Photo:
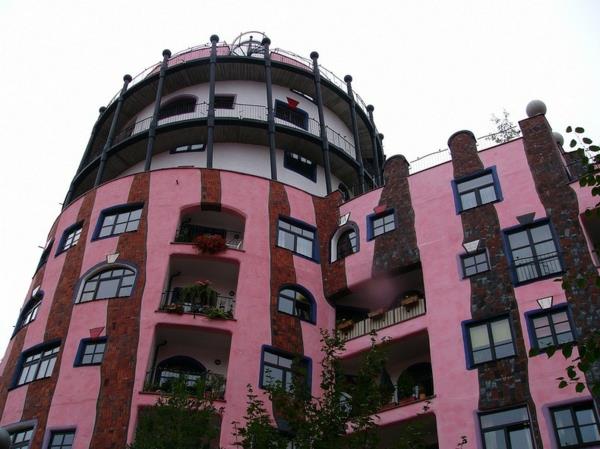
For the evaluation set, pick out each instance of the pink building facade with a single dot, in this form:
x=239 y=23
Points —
x=281 y=160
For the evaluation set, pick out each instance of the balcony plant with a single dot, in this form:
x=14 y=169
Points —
x=199 y=295
x=210 y=243
x=215 y=313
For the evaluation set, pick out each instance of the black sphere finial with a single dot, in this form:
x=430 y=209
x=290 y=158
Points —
x=381 y=136
x=102 y=109
x=348 y=78
x=166 y=52
x=127 y=78
x=214 y=38
x=370 y=108
x=266 y=41
x=314 y=55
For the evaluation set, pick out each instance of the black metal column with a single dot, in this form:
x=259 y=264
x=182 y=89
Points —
x=323 y=130
x=361 y=167
x=210 y=140
x=270 y=117
x=112 y=130
x=154 y=122
x=375 y=147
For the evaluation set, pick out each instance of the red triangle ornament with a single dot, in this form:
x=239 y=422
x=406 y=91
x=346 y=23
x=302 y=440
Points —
x=96 y=332
x=293 y=104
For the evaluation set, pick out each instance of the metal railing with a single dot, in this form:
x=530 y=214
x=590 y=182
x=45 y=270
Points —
x=528 y=268
x=187 y=232
x=385 y=319
x=213 y=383
x=216 y=305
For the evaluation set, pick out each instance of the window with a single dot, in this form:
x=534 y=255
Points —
x=576 y=425
x=476 y=190
x=474 y=263
x=507 y=429
x=300 y=165
x=45 y=255
x=20 y=439
x=381 y=223
x=37 y=363
x=110 y=283
x=347 y=244
x=193 y=148
x=70 y=237
x=224 y=101
x=297 y=302
x=295 y=116
x=62 y=440
x=117 y=220
x=179 y=367
x=489 y=340
x=91 y=351
x=550 y=327
x=533 y=252
x=297 y=237
x=178 y=106
x=279 y=368
x=29 y=312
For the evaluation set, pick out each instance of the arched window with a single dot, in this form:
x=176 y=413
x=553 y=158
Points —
x=179 y=367
x=344 y=191
x=296 y=301
x=177 y=106
x=344 y=242
x=415 y=380
x=114 y=282
x=30 y=310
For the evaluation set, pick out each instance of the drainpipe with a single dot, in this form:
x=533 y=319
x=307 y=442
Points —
x=211 y=101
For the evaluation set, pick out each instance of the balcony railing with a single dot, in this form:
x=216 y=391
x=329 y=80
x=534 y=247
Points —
x=213 y=384
x=529 y=268
x=213 y=306
x=380 y=320
x=238 y=111
x=188 y=232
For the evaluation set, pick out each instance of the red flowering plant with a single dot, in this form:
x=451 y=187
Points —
x=210 y=243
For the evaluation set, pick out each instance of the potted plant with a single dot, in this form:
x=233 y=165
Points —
x=210 y=243
x=174 y=308
x=345 y=325
x=377 y=314
x=199 y=295
x=214 y=313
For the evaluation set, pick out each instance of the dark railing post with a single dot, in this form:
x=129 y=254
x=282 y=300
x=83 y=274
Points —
x=111 y=132
x=210 y=139
x=375 y=146
x=154 y=122
x=361 y=167
x=86 y=154
x=270 y=117
x=324 y=141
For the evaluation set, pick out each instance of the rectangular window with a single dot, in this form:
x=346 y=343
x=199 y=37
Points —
x=21 y=439
x=300 y=165
x=489 y=340
x=476 y=190
x=507 y=429
x=550 y=327
x=62 y=440
x=45 y=254
x=474 y=263
x=378 y=224
x=70 y=237
x=297 y=237
x=193 y=148
x=278 y=368
x=224 y=101
x=37 y=363
x=118 y=220
x=91 y=352
x=533 y=252
x=295 y=116
x=576 y=425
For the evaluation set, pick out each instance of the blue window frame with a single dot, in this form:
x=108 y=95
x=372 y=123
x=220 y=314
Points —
x=118 y=220
x=474 y=263
x=91 y=351
x=62 y=439
x=70 y=237
x=550 y=327
x=300 y=164
x=532 y=252
x=476 y=189
x=576 y=425
x=36 y=363
x=295 y=116
x=297 y=301
x=114 y=281
x=378 y=224
x=299 y=237
x=506 y=429
x=280 y=367
x=488 y=340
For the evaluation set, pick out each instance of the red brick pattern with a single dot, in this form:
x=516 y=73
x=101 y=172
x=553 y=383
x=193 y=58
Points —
x=39 y=393
x=211 y=189
x=286 y=332
x=504 y=382
x=327 y=216
x=122 y=330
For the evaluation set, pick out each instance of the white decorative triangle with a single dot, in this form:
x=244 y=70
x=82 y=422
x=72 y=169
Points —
x=471 y=246
x=35 y=291
x=112 y=258
x=344 y=219
x=47 y=244
x=545 y=303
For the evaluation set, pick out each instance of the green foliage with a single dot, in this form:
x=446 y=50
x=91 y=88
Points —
x=181 y=419
x=505 y=129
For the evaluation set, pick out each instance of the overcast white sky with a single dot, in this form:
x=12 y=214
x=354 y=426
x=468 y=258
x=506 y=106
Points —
x=429 y=67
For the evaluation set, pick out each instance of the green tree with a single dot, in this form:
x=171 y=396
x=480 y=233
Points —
x=505 y=129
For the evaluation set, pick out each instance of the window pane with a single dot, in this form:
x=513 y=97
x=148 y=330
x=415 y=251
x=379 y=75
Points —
x=505 y=350
x=468 y=200
x=285 y=362
x=540 y=233
x=272 y=375
x=285 y=240
x=474 y=183
x=495 y=440
x=585 y=416
x=515 y=415
x=518 y=239
x=479 y=258
x=132 y=226
x=479 y=336
x=286 y=306
x=107 y=289
x=589 y=433
x=481 y=356
x=567 y=436
x=564 y=338
x=270 y=358
x=488 y=194
x=470 y=271
x=120 y=228
x=122 y=218
x=135 y=214
x=520 y=439
x=501 y=331
x=304 y=246
x=545 y=250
